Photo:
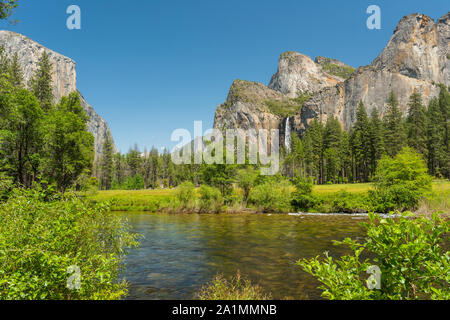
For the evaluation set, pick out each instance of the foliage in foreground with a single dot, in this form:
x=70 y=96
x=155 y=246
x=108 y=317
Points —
x=409 y=251
x=41 y=238
x=400 y=182
x=237 y=288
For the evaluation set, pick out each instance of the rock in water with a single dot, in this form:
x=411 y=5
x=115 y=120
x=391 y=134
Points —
x=64 y=77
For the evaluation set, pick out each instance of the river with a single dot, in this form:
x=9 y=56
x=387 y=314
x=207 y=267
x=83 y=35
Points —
x=178 y=254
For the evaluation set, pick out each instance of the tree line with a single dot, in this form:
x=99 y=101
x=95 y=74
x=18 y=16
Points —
x=41 y=141
x=326 y=153
x=329 y=154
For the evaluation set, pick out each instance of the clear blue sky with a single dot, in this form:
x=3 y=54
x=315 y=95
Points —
x=151 y=66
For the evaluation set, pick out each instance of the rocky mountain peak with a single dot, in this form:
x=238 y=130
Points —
x=417 y=57
x=418 y=49
x=64 y=77
x=298 y=74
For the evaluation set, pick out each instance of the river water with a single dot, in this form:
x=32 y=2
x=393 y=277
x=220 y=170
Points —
x=178 y=254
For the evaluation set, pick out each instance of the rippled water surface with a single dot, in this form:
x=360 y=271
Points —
x=180 y=253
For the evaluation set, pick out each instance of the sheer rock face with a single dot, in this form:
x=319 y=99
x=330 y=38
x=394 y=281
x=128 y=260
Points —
x=418 y=49
x=416 y=57
x=298 y=74
x=64 y=77
x=368 y=85
x=246 y=109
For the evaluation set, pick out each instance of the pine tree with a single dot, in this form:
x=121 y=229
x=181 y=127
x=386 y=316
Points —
x=41 y=84
x=436 y=148
x=345 y=156
x=313 y=142
x=4 y=63
x=377 y=148
x=394 y=130
x=361 y=144
x=444 y=105
x=416 y=123
x=16 y=72
x=331 y=146
x=107 y=163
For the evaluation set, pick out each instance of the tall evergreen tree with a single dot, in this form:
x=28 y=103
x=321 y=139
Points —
x=313 y=141
x=395 y=136
x=332 y=145
x=377 y=147
x=107 y=163
x=361 y=144
x=4 y=63
x=41 y=84
x=444 y=105
x=435 y=139
x=16 y=72
x=416 y=124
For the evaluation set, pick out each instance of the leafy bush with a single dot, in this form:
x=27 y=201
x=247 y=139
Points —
x=210 y=199
x=408 y=251
x=345 y=202
x=400 y=182
x=236 y=288
x=185 y=195
x=40 y=240
x=302 y=197
x=272 y=196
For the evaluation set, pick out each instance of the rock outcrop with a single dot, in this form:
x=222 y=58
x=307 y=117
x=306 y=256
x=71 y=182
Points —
x=417 y=57
x=246 y=107
x=298 y=74
x=64 y=77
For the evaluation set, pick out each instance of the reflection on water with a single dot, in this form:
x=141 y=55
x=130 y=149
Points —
x=180 y=253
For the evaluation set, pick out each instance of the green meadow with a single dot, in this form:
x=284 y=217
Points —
x=160 y=199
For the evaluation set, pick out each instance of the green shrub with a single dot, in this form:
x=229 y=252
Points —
x=236 y=199
x=272 y=196
x=409 y=252
x=40 y=240
x=210 y=199
x=236 y=288
x=400 y=182
x=302 y=197
x=185 y=195
x=345 y=202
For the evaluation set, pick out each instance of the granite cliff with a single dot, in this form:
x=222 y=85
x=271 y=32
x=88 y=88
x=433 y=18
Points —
x=416 y=57
x=64 y=77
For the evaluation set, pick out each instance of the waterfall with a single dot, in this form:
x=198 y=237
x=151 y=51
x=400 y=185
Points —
x=287 y=135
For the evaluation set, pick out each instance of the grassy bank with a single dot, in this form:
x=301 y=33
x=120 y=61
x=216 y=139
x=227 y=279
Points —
x=135 y=200
x=332 y=198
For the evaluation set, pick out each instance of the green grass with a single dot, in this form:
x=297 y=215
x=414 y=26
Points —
x=341 y=71
x=156 y=200
x=287 y=108
x=334 y=188
x=135 y=200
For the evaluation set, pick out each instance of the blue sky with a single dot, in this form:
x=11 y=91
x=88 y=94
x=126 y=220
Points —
x=151 y=66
